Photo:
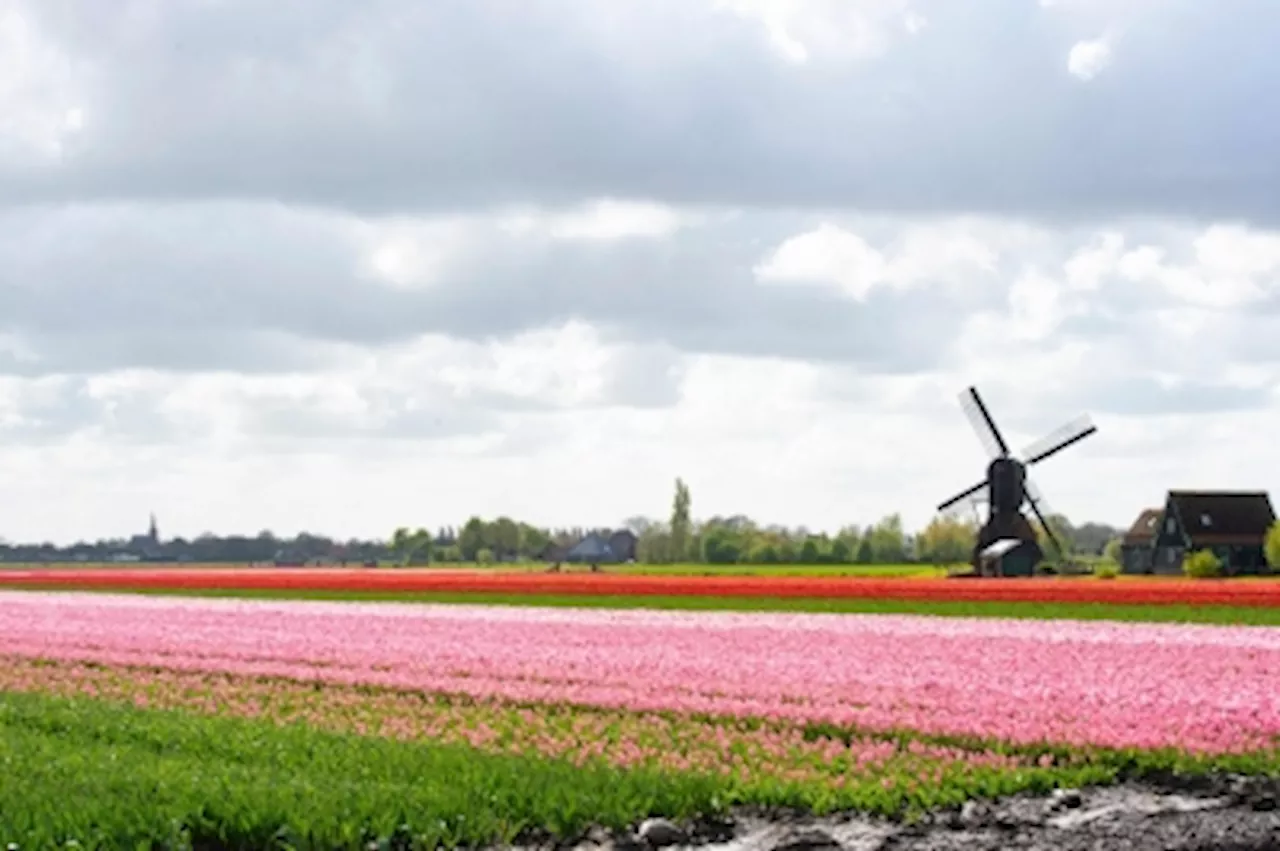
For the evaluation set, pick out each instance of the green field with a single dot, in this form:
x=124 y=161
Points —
x=1232 y=615
x=173 y=780
x=163 y=778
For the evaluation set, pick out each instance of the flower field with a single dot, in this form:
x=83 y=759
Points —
x=1206 y=689
x=1138 y=591
x=234 y=721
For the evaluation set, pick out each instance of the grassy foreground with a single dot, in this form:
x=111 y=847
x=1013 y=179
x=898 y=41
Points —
x=186 y=778
x=1226 y=615
x=167 y=779
x=181 y=780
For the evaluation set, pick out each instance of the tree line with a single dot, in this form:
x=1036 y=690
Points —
x=675 y=539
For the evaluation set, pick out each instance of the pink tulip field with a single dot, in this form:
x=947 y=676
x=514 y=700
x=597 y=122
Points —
x=875 y=711
x=1206 y=689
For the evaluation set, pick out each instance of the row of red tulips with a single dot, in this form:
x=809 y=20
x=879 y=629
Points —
x=1134 y=592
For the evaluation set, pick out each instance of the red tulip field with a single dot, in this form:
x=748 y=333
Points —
x=1142 y=591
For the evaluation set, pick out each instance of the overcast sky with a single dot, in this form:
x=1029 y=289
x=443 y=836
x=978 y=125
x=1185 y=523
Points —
x=338 y=267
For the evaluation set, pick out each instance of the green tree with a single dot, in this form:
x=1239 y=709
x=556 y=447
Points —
x=400 y=544
x=812 y=551
x=681 y=522
x=533 y=541
x=848 y=539
x=763 y=550
x=865 y=551
x=1202 y=564
x=472 y=538
x=419 y=547
x=722 y=544
x=888 y=542
x=1061 y=530
x=653 y=545
x=946 y=540
x=841 y=551
x=1271 y=547
x=1112 y=551
x=505 y=538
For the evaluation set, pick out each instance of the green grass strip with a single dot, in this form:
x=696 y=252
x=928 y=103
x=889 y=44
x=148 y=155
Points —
x=1226 y=615
x=110 y=776
x=91 y=774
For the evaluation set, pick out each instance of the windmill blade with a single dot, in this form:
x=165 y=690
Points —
x=964 y=495
x=982 y=423
x=966 y=507
x=1041 y=510
x=975 y=504
x=1058 y=440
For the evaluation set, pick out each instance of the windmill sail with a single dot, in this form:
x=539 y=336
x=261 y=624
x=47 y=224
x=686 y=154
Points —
x=1058 y=440
x=969 y=509
x=1042 y=512
x=962 y=498
x=980 y=417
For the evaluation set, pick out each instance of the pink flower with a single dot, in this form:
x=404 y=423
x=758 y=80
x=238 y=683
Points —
x=1201 y=688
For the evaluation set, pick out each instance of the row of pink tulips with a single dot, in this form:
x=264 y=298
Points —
x=1205 y=689
x=676 y=743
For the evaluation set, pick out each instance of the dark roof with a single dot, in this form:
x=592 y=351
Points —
x=592 y=546
x=1224 y=516
x=1143 y=529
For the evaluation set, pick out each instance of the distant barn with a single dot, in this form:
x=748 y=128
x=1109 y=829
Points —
x=1231 y=524
x=1137 y=544
x=604 y=548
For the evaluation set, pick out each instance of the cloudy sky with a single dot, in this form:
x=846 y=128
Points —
x=331 y=266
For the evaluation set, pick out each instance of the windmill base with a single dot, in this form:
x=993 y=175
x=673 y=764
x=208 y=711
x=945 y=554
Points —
x=1010 y=557
x=1007 y=546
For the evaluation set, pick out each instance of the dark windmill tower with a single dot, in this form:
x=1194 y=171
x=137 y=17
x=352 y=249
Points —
x=1007 y=543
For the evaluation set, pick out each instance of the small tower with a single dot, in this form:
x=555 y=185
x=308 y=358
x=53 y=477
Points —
x=153 y=533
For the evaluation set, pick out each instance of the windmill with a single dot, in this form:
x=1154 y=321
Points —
x=1006 y=532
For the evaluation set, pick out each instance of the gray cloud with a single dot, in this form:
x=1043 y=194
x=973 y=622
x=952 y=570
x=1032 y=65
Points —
x=393 y=105
x=255 y=289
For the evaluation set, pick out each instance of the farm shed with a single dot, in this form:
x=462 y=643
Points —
x=1231 y=524
x=1136 y=545
x=603 y=547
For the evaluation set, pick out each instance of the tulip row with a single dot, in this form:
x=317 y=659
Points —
x=1149 y=591
x=754 y=755
x=1200 y=689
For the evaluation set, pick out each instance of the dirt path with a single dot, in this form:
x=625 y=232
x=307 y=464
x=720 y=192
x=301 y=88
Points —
x=1223 y=814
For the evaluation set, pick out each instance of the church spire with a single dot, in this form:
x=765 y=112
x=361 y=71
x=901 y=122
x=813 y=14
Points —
x=154 y=533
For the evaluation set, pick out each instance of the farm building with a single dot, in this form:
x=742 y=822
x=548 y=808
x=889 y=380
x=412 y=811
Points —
x=604 y=547
x=1231 y=524
x=1136 y=545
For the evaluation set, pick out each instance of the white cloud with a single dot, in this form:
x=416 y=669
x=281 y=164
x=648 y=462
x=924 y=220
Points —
x=827 y=255
x=1088 y=59
x=40 y=106
x=832 y=256
x=799 y=30
x=602 y=220
x=413 y=254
